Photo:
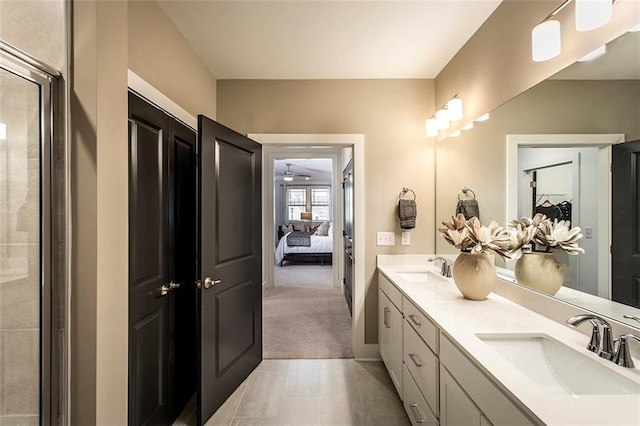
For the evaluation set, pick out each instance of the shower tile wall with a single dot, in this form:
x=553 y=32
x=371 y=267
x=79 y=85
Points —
x=19 y=251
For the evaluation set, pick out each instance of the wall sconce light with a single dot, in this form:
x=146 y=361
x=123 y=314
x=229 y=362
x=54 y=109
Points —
x=483 y=117
x=451 y=111
x=432 y=127
x=545 y=40
x=3 y=132
x=594 y=54
x=592 y=14
x=545 y=37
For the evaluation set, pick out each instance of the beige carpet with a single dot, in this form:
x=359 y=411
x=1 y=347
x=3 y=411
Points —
x=304 y=317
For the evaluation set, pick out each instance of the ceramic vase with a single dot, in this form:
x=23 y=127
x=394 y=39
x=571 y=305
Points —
x=540 y=271
x=474 y=275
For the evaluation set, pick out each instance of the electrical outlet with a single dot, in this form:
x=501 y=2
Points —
x=588 y=232
x=385 y=239
x=406 y=238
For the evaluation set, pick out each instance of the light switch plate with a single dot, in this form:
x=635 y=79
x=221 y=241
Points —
x=406 y=238
x=588 y=232
x=385 y=239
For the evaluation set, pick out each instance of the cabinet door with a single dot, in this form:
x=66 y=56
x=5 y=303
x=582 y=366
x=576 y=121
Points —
x=396 y=347
x=456 y=408
x=390 y=339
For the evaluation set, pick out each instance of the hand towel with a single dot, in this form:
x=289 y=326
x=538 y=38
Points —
x=469 y=208
x=407 y=211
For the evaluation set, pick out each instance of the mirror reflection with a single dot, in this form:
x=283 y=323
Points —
x=549 y=150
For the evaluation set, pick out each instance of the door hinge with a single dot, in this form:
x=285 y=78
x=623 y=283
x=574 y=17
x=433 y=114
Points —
x=533 y=184
x=198 y=284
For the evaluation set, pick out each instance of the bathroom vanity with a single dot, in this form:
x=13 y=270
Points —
x=491 y=362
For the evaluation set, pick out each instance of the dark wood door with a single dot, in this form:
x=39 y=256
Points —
x=625 y=223
x=230 y=294
x=347 y=185
x=148 y=266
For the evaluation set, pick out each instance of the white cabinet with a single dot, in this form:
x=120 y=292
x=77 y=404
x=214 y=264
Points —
x=456 y=408
x=390 y=335
x=489 y=400
x=414 y=403
x=422 y=365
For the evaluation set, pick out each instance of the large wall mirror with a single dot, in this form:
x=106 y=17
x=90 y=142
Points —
x=559 y=134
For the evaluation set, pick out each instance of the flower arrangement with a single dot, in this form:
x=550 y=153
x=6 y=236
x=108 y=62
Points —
x=541 y=231
x=471 y=236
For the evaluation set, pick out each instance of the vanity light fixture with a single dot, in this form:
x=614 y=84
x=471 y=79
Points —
x=442 y=117
x=432 y=127
x=545 y=40
x=3 y=132
x=595 y=54
x=483 y=117
x=592 y=14
x=454 y=106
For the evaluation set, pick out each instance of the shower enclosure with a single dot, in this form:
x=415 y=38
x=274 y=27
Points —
x=26 y=241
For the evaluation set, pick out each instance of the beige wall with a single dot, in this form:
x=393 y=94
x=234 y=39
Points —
x=495 y=64
x=109 y=38
x=552 y=107
x=391 y=115
x=163 y=58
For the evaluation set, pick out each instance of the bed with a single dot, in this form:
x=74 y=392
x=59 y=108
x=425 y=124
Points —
x=320 y=249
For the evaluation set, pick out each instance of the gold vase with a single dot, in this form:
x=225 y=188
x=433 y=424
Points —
x=540 y=271
x=474 y=275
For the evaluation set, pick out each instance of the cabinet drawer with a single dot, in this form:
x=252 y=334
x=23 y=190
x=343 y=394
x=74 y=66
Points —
x=390 y=290
x=425 y=328
x=414 y=404
x=423 y=366
x=492 y=401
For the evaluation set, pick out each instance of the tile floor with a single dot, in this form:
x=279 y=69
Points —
x=314 y=392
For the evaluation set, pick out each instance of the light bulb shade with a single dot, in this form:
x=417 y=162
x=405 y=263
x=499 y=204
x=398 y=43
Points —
x=468 y=126
x=288 y=178
x=442 y=117
x=432 y=127
x=545 y=41
x=454 y=106
x=455 y=134
x=305 y=216
x=3 y=131
x=591 y=14
x=483 y=117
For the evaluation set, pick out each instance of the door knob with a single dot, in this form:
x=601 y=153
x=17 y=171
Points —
x=208 y=283
x=166 y=288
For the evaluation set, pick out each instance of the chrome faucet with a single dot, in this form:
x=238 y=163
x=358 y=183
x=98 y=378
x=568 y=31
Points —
x=621 y=356
x=445 y=269
x=601 y=343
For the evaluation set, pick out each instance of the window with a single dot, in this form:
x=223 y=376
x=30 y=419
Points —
x=310 y=198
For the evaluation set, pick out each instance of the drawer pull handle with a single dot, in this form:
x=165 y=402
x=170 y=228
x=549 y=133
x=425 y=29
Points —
x=415 y=321
x=415 y=360
x=386 y=317
x=417 y=415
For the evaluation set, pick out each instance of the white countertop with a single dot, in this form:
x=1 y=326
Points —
x=461 y=319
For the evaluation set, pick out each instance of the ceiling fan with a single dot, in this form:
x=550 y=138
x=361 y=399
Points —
x=288 y=174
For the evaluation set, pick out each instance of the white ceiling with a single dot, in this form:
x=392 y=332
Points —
x=319 y=169
x=337 y=39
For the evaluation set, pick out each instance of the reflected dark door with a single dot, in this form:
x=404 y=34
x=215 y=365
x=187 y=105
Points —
x=230 y=294
x=148 y=265
x=625 y=223
x=347 y=185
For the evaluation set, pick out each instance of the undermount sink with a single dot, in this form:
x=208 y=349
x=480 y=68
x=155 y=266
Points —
x=420 y=276
x=557 y=368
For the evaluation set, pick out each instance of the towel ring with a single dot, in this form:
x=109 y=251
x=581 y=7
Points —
x=464 y=191
x=404 y=192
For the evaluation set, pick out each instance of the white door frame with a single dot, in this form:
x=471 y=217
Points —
x=360 y=349
x=571 y=140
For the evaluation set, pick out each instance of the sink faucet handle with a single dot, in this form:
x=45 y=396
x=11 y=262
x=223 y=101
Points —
x=621 y=355
x=600 y=343
x=445 y=269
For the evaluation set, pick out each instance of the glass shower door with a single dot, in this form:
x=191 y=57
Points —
x=24 y=245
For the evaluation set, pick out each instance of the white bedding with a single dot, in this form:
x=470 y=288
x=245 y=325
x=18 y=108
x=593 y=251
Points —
x=318 y=245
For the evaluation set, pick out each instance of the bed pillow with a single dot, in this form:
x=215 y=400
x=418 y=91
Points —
x=299 y=227
x=285 y=229
x=323 y=229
